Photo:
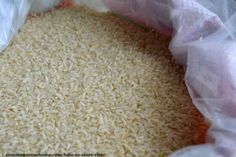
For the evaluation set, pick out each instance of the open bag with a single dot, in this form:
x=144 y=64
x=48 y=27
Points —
x=203 y=41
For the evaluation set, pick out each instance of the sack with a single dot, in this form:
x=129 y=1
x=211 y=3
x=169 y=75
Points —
x=12 y=17
x=203 y=42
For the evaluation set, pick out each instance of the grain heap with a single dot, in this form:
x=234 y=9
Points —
x=76 y=81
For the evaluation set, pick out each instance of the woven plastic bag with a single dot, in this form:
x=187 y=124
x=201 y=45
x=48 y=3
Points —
x=203 y=41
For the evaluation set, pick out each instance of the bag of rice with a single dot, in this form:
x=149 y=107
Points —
x=203 y=41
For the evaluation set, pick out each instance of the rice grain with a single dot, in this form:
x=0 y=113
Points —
x=76 y=81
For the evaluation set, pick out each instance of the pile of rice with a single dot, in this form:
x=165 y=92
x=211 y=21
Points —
x=75 y=81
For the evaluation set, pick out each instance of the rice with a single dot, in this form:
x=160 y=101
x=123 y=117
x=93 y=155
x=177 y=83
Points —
x=75 y=81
